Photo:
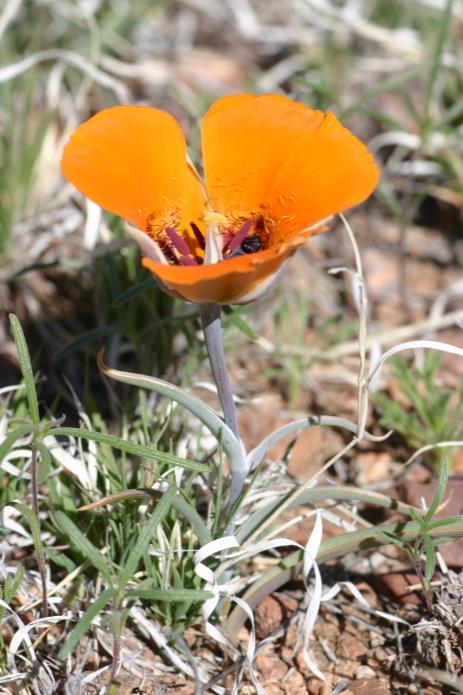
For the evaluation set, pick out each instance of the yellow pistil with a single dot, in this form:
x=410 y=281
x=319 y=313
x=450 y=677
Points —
x=212 y=218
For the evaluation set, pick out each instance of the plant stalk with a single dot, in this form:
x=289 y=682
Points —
x=211 y=323
x=212 y=327
x=35 y=509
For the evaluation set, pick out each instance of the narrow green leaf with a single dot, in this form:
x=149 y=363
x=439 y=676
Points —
x=130 y=447
x=430 y=555
x=321 y=493
x=178 y=503
x=44 y=463
x=26 y=368
x=84 y=339
x=145 y=537
x=60 y=559
x=88 y=550
x=416 y=516
x=34 y=526
x=12 y=584
x=170 y=595
x=84 y=623
x=439 y=492
x=436 y=63
x=133 y=291
x=237 y=320
x=452 y=114
x=442 y=523
x=385 y=86
x=232 y=446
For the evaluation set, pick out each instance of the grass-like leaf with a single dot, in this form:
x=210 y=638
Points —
x=178 y=503
x=34 y=526
x=170 y=595
x=439 y=492
x=88 y=550
x=145 y=538
x=84 y=623
x=26 y=368
x=436 y=64
x=84 y=339
x=231 y=445
x=430 y=554
x=130 y=447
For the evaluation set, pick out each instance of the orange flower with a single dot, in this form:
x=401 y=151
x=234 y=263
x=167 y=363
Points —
x=274 y=171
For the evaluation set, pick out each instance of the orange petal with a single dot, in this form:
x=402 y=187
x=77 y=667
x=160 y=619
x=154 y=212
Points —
x=132 y=161
x=326 y=171
x=245 y=139
x=233 y=281
x=269 y=151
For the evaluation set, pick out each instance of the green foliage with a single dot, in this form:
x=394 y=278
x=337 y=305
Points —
x=422 y=552
x=7 y=593
x=435 y=412
x=113 y=545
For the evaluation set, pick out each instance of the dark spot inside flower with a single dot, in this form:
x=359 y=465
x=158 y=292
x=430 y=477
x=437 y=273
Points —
x=198 y=235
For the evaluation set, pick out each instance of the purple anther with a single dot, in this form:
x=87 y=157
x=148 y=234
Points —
x=187 y=260
x=177 y=241
x=199 y=236
x=240 y=236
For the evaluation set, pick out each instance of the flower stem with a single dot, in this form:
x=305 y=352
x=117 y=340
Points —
x=210 y=318
x=35 y=508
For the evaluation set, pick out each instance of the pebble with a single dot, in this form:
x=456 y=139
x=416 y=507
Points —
x=364 y=672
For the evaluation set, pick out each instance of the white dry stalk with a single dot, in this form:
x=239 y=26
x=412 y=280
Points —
x=362 y=308
x=388 y=336
x=11 y=71
x=430 y=447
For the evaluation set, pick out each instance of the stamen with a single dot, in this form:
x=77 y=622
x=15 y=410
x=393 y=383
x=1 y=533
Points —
x=187 y=260
x=249 y=245
x=177 y=241
x=239 y=237
x=198 y=235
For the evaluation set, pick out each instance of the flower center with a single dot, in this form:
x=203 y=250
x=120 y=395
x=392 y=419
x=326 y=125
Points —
x=239 y=234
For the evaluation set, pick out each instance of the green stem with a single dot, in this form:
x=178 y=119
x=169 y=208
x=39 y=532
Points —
x=38 y=549
x=210 y=319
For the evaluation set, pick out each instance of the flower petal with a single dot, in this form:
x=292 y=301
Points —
x=274 y=153
x=233 y=281
x=326 y=171
x=132 y=161
x=245 y=139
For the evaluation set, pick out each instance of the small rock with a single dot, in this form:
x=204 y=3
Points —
x=368 y=686
x=376 y=639
x=372 y=467
x=273 y=689
x=313 y=447
x=271 y=667
x=396 y=585
x=317 y=687
x=364 y=672
x=346 y=669
x=268 y=616
x=350 y=648
x=295 y=684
